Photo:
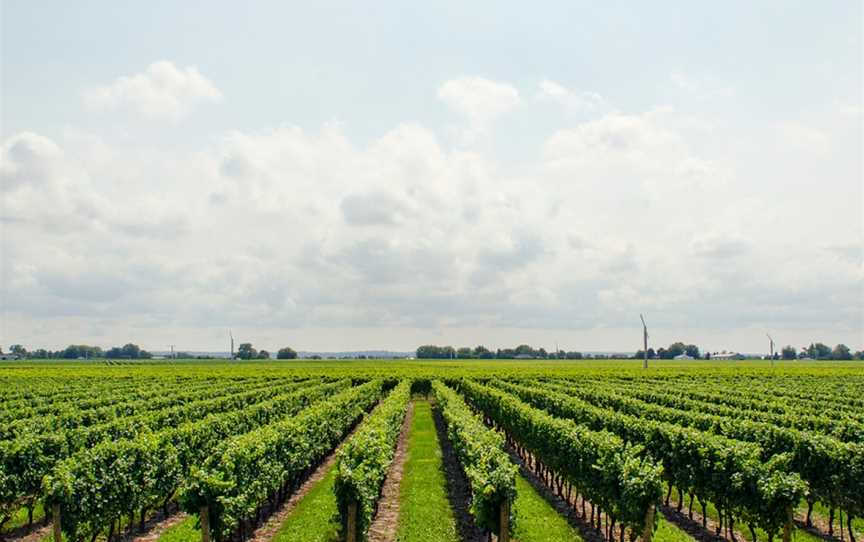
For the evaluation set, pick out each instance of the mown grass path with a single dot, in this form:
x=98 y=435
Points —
x=537 y=520
x=312 y=519
x=425 y=513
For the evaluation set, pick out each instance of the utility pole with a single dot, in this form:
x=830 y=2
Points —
x=232 y=343
x=771 y=343
x=172 y=351
x=644 y=343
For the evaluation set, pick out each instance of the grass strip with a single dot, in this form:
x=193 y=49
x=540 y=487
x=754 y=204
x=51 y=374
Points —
x=315 y=517
x=185 y=531
x=537 y=520
x=424 y=510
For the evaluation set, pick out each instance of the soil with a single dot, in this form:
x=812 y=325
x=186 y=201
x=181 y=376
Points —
x=155 y=530
x=820 y=526
x=693 y=527
x=29 y=534
x=386 y=522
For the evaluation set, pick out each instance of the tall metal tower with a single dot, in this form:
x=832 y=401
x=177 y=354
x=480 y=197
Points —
x=644 y=343
x=771 y=344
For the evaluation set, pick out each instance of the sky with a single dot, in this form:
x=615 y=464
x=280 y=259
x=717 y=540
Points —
x=347 y=175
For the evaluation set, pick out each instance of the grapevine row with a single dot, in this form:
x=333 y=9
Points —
x=764 y=493
x=481 y=453
x=97 y=486
x=245 y=472
x=364 y=459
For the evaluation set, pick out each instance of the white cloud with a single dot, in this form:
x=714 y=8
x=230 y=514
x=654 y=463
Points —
x=287 y=228
x=27 y=159
x=720 y=245
x=798 y=137
x=575 y=102
x=162 y=91
x=480 y=101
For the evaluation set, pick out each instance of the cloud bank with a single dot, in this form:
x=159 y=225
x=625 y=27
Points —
x=290 y=229
x=162 y=91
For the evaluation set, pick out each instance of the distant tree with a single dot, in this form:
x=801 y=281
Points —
x=841 y=352
x=707 y=355
x=541 y=353
x=859 y=355
x=430 y=351
x=574 y=355
x=481 y=352
x=130 y=350
x=18 y=350
x=819 y=351
x=505 y=353
x=286 y=353
x=127 y=351
x=75 y=351
x=246 y=351
x=693 y=351
x=675 y=349
x=524 y=350
x=263 y=354
x=464 y=353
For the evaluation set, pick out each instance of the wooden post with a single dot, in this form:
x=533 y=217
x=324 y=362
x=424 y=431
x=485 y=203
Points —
x=204 y=516
x=351 y=527
x=55 y=520
x=649 y=525
x=787 y=528
x=504 y=525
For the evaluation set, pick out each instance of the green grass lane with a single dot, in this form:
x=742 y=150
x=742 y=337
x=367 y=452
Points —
x=424 y=510
x=537 y=520
x=669 y=532
x=19 y=518
x=185 y=531
x=314 y=519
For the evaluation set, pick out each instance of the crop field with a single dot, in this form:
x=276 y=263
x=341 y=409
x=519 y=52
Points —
x=431 y=450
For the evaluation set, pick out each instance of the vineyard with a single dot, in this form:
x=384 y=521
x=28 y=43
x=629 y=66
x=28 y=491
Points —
x=327 y=451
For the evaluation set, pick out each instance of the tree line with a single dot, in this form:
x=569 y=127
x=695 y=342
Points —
x=821 y=351
x=247 y=351
x=79 y=351
x=817 y=350
x=523 y=351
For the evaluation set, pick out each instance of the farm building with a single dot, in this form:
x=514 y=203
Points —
x=684 y=356
x=727 y=355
